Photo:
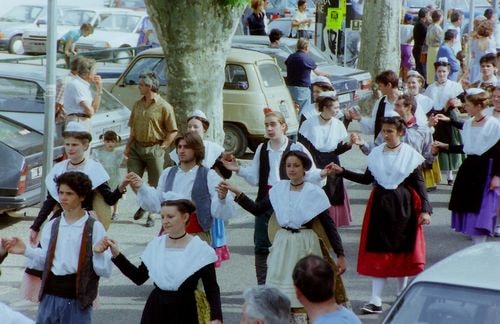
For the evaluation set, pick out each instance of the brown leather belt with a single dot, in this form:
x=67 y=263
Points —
x=79 y=115
x=149 y=144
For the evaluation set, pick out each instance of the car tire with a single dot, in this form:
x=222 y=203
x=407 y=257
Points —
x=235 y=139
x=16 y=45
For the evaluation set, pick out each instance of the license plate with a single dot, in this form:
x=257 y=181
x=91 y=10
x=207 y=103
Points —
x=344 y=97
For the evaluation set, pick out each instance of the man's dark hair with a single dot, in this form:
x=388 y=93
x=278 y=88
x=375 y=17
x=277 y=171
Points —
x=450 y=34
x=315 y=279
x=423 y=12
x=194 y=142
x=488 y=13
x=490 y=58
x=456 y=15
x=79 y=182
x=275 y=35
x=386 y=77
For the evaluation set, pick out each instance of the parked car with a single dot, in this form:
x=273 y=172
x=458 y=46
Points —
x=252 y=82
x=35 y=39
x=119 y=30
x=463 y=288
x=128 y=4
x=21 y=149
x=22 y=98
x=14 y=22
x=339 y=75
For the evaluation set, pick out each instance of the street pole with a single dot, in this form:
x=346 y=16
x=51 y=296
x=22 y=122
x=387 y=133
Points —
x=50 y=94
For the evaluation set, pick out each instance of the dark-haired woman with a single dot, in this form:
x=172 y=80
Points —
x=392 y=240
x=175 y=262
x=475 y=196
x=296 y=204
x=326 y=138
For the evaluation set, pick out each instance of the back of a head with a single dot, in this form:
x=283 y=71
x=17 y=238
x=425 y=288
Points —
x=455 y=15
x=275 y=35
x=423 y=12
x=267 y=304
x=85 y=65
x=302 y=44
x=436 y=16
x=450 y=34
x=315 y=279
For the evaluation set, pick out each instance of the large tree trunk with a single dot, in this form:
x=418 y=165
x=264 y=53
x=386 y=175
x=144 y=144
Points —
x=380 y=48
x=196 y=38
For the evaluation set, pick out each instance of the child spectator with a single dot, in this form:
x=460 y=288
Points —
x=66 y=44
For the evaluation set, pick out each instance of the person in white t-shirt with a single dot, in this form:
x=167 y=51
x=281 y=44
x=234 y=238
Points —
x=300 y=21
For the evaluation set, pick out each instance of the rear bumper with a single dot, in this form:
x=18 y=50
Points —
x=27 y=199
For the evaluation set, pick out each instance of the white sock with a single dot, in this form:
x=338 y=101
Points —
x=377 y=289
x=450 y=175
x=477 y=239
x=402 y=283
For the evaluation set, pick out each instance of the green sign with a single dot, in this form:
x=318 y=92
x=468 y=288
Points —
x=356 y=24
x=334 y=19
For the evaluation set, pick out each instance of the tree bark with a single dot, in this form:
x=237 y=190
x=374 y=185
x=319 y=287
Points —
x=196 y=38
x=380 y=49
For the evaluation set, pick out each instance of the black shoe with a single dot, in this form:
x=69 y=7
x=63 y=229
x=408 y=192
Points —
x=139 y=214
x=371 y=309
x=150 y=222
x=114 y=216
x=450 y=182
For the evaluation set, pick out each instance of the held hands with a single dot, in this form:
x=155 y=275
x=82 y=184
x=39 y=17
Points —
x=106 y=243
x=356 y=138
x=424 y=219
x=14 y=245
x=134 y=180
x=230 y=163
x=354 y=114
x=336 y=168
x=228 y=186
x=328 y=170
x=221 y=190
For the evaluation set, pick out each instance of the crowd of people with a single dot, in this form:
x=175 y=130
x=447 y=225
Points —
x=419 y=131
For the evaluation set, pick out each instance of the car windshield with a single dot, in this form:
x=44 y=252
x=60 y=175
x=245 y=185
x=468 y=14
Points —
x=155 y=64
x=26 y=14
x=73 y=17
x=21 y=96
x=122 y=23
x=108 y=102
x=18 y=137
x=440 y=303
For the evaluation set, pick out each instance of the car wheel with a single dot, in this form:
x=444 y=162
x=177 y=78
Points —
x=235 y=140
x=123 y=56
x=16 y=45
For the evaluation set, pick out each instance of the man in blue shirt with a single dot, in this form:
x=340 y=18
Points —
x=446 y=50
x=314 y=283
x=299 y=66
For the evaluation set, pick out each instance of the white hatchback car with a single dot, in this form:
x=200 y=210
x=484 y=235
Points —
x=463 y=288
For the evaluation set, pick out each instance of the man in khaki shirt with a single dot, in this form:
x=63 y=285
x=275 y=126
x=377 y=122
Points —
x=152 y=130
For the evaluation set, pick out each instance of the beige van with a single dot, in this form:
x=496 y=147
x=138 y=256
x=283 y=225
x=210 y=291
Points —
x=252 y=82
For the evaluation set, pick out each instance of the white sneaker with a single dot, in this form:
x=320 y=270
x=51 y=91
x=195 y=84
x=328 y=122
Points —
x=497 y=230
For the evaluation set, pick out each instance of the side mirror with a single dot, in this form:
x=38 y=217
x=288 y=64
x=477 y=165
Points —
x=41 y=21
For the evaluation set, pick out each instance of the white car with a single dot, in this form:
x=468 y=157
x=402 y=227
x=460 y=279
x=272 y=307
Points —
x=35 y=39
x=120 y=30
x=463 y=288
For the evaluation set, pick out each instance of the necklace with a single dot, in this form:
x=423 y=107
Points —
x=78 y=162
x=395 y=146
x=297 y=185
x=325 y=119
x=480 y=119
x=178 y=237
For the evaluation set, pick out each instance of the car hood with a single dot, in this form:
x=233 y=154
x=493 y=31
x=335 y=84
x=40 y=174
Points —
x=114 y=38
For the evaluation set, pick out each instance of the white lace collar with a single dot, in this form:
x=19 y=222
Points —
x=315 y=132
x=478 y=140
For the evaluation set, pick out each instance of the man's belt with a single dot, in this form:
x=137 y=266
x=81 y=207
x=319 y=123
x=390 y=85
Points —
x=79 y=115
x=149 y=144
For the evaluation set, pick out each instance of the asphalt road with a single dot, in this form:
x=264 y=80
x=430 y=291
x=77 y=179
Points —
x=122 y=302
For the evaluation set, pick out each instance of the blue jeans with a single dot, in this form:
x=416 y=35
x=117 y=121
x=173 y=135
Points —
x=59 y=310
x=301 y=95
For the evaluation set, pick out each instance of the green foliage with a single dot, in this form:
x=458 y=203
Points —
x=235 y=3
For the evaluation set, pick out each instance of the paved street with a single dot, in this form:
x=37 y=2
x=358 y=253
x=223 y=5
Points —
x=122 y=302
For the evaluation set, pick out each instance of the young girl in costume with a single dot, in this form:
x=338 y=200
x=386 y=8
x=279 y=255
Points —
x=392 y=240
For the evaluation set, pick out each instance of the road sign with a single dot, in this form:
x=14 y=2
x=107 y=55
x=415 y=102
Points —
x=334 y=19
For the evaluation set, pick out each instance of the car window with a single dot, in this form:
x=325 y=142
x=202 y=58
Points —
x=21 y=96
x=235 y=77
x=123 y=23
x=22 y=14
x=76 y=17
x=155 y=64
x=271 y=76
x=440 y=303
x=18 y=137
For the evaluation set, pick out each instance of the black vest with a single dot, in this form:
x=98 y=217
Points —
x=264 y=169
x=378 y=117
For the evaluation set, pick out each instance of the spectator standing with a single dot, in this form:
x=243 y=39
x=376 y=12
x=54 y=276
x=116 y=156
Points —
x=66 y=44
x=406 y=40
x=319 y=84
x=265 y=305
x=314 y=281
x=456 y=21
x=481 y=44
x=300 y=21
x=147 y=35
x=419 y=33
x=152 y=130
x=60 y=86
x=274 y=38
x=446 y=50
x=79 y=103
x=299 y=66
x=256 y=21
x=433 y=40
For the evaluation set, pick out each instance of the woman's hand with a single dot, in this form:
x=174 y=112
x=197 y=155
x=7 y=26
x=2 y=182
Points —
x=440 y=145
x=230 y=187
x=113 y=245
x=337 y=169
x=101 y=246
x=231 y=164
x=134 y=180
x=357 y=139
x=495 y=182
x=14 y=245
x=342 y=264
x=424 y=219
x=222 y=190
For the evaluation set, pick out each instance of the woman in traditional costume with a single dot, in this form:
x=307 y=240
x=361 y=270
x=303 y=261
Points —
x=296 y=205
x=175 y=262
x=214 y=154
x=392 y=240
x=444 y=93
x=475 y=196
x=326 y=138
